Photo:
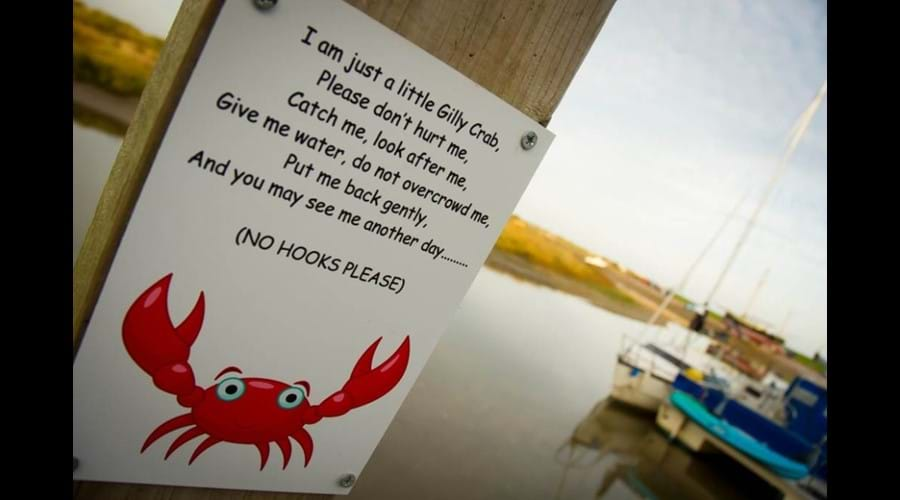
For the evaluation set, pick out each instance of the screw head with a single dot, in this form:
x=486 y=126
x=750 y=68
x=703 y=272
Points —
x=529 y=140
x=264 y=4
x=347 y=480
x=74 y=464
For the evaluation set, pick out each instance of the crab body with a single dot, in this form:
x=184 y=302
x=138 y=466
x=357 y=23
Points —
x=240 y=410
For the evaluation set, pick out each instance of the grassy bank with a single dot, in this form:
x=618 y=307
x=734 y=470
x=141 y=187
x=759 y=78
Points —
x=551 y=252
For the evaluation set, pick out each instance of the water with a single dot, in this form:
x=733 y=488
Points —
x=491 y=415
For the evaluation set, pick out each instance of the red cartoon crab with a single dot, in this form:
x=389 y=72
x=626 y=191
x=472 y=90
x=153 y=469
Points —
x=240 y=410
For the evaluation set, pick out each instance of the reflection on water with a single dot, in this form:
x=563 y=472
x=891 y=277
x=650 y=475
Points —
x=624 y=450
x=507 y=407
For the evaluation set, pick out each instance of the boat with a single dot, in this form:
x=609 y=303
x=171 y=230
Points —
x=739 y=409
x=736 y=437
x=788 y=437
x=643 y=374
x=624 y=447
x=645 y=371
x=644 y=388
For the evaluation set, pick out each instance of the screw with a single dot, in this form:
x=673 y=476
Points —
x=264 y=4
x=347 y=480
x=529 y=139
x=74 y=464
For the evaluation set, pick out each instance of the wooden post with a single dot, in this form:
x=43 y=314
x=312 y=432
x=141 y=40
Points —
x=155 y=109
x=524 y=52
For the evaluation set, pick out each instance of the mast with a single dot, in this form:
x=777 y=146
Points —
x=797 y=132
x=671 y=294
x=784 y=323
x=759 y=286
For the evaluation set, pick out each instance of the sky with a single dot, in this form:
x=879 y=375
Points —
x=679 y=109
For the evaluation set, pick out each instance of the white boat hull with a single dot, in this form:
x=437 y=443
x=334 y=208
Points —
x=638 y=388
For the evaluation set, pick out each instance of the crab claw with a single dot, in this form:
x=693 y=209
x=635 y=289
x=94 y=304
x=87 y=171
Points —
x=160 y=348
x=366 y=384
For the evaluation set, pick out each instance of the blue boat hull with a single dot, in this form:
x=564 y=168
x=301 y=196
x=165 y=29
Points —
x=734 y=436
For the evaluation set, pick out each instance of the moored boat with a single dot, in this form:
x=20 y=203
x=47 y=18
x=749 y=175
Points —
x=786 y=431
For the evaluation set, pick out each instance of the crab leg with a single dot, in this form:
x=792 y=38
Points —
x=167 y=427
x=205 y=445
x=160 y=348
x=263 y=454
x=285 y=446
x=184 y=438
x=305 y=440
x=366 y=384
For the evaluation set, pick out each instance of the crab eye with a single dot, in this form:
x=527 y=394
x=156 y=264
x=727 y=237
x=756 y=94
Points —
x=230 y=389
x=291 y=397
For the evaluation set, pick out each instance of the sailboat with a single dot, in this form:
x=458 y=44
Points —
x=788 y=437
x=645 y=372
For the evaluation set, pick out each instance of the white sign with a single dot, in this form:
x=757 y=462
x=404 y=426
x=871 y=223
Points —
x=319 y=205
